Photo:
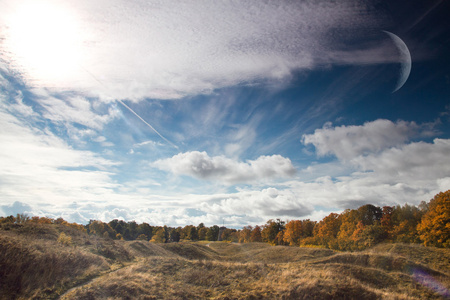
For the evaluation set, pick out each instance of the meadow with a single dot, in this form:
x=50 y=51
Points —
x=51 y=261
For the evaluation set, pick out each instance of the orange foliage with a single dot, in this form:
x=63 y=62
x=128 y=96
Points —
x=434 y=228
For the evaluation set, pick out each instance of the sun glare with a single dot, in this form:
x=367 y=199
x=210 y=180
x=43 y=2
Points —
x=44 y=42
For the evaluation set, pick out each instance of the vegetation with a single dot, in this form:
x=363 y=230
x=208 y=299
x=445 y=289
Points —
x=402 y=253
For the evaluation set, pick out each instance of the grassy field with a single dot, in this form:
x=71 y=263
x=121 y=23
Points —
x=36 y=263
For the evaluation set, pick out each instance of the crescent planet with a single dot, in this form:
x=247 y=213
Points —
x=405 y=60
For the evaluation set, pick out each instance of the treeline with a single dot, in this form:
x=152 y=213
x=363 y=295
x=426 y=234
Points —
x=353 y=229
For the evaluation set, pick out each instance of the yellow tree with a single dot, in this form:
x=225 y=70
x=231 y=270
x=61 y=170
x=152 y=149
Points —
x=434 y=228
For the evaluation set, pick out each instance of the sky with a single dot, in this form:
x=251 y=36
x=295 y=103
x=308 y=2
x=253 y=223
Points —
x=221 y=112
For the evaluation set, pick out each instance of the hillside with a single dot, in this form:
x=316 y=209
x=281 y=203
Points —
x=35 y=262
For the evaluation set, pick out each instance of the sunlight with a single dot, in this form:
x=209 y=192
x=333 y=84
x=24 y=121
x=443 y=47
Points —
x=44 y=40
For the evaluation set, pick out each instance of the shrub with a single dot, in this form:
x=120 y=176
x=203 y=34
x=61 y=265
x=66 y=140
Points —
x=65 y=239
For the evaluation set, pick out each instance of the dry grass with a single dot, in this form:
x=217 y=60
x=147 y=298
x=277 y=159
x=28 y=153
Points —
x=33 y=264
x=311 y=274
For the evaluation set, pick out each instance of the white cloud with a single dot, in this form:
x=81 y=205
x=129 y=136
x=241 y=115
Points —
x=264 y=204
x=219 y=168
x=347 y=142
x=168 y=49
x=37 y=166
x=414 y=162
x=74 y=109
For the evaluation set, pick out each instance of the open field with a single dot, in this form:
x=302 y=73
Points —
x=34 y=263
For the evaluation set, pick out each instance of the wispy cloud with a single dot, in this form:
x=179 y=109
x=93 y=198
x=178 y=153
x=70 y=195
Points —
x=169 y=49
x=38 y=166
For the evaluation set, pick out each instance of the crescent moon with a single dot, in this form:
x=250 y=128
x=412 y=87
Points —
x=405 y=60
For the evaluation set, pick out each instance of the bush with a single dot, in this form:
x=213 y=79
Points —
x=65 y=239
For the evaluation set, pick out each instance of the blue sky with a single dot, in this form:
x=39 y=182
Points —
x=177 y=113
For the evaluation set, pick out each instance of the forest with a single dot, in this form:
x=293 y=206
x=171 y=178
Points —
x=353 y=229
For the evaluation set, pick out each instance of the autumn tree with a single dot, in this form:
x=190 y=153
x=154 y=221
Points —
x=369 y=214
x=245 y=234
x=202 y=231
x=101 y=229
x=145 y=228
x=386 y=221
x=404 y=224
x=270 y=231
x=159 y=236
x=293 y=233
x=434 y=228
x=174 y=235
x=213 y=233
x=255 y=236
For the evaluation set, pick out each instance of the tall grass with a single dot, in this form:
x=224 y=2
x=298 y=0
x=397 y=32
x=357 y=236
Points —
x=46 y=261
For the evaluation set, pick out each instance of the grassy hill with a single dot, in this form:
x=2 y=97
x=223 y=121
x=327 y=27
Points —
x=35 y=262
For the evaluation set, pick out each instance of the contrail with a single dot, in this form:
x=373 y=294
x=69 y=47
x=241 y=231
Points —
x=145 y=122
x=133 y=112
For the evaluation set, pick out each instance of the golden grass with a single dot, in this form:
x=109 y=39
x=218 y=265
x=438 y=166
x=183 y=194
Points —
x=33 y=264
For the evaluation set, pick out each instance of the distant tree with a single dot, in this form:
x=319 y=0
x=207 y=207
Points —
x=202 y=231
x=189 y=232
x=270 y=231
x=370 y=236
x=369 y=214
x=213 y=233
x=308 y=227
x=23 y=218
x=41 y=220
x=434 y=228
x=101 y=229
x=279 y=239
x=255 y=236
x=386 y=221
x=293 y=232
x=142 y=237
x=329 y=226
x=245 y=234
x=404 y=224
x=8 y=220
x=327 y=230
x=174 y=235
x=132 y=230
x=159 y=236
x=229 y=234
x=145 y=229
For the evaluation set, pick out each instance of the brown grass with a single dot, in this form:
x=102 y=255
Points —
x=33 y=264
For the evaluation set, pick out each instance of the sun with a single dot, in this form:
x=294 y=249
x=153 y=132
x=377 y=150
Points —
x=43 y=41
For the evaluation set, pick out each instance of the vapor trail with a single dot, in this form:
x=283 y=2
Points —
x=133 y=112
x=146 y=123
